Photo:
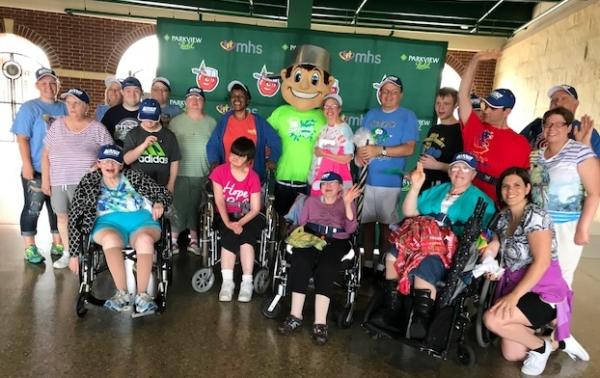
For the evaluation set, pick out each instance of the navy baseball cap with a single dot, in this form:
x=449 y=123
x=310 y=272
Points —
x=500 y=98
x=330 y=176
x=77 y=93
x=149 y=110
x=464 y=157
x=43 y=72
x=195 y=91
x=391 y=79
x=131 y=82
x=111 y=152
x=563 y=87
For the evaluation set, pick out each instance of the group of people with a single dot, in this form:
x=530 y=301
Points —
x=545 y=184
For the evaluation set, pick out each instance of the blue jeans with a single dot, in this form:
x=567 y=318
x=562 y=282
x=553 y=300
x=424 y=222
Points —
x=34 y=200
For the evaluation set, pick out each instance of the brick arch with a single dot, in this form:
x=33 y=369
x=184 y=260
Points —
x=453 y=61
x=38 y=40
x=119 y=49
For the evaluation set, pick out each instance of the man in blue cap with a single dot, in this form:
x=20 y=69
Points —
x=120 y=119
x=394 y=131
x=583 y=131
x=493 y=143
x=30 y=125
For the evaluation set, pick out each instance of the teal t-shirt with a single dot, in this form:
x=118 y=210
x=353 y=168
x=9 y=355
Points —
x=298 y=132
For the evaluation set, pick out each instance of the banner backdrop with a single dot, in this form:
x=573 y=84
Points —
x=212 y=54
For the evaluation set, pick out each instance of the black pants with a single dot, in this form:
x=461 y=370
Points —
x=322 y=265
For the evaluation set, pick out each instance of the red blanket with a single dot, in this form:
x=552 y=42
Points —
x=417 y=238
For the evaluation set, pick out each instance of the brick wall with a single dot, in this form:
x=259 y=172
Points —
x=95 y=44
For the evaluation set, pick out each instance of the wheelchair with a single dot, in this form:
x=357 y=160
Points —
x=458 y=303
x=204 y=278
x=92 y=263
x=350 y=271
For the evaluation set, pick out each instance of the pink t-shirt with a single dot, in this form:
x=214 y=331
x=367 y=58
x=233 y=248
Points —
x=236 y=193
x=72 y=154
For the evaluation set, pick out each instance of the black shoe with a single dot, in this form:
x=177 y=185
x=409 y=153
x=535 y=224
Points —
x=289 y=325
x=422 y=307
x=392 y=303
x=320 y=333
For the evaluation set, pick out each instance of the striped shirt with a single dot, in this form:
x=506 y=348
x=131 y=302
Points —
x=72 y=154
x=557 y=186
x=192 y=137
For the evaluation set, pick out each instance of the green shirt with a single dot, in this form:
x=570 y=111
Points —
x=192 y=137
x=298 y=132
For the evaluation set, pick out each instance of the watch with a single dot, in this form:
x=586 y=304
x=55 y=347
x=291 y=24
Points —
x=383 y=151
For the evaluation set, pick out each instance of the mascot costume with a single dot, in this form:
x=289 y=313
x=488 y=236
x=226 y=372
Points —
x=304 y=83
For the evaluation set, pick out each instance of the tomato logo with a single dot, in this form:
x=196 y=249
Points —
x=207 y=78
x=222 y=108
x=227 y=45
x=346 y=55
x=267 y=85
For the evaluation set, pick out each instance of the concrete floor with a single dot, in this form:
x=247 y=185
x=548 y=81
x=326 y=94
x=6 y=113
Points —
x=40 y=335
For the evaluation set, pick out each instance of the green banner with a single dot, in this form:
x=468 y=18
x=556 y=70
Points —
x=212 y=54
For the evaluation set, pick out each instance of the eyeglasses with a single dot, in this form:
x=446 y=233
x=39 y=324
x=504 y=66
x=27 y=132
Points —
x=456 y=168
x=330 y=107
x=554 y=125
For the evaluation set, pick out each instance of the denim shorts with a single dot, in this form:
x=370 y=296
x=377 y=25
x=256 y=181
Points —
x=125 y=223
x=431 y=269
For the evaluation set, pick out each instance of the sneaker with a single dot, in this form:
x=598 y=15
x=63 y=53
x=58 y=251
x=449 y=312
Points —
x=174 y=248
x=535 y=363
x=575 y=350
x=119 y=302
x=193 y=248
x=246 y=290
x=226 y=293
x=144 y=303
x=32 y=255
x=289 y=325
x=320 y=334
x=63 y=262
x=57 y=249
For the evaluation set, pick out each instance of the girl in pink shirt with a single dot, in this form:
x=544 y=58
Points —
x=236 y=189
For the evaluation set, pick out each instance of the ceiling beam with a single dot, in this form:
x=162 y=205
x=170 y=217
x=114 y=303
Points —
x=360 y=7
x=476 y=26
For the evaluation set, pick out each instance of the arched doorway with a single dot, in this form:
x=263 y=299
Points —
x=140 y=60
x=19 y=59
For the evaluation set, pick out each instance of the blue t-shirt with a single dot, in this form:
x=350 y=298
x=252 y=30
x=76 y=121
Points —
x=32 y=121
x=390 y=129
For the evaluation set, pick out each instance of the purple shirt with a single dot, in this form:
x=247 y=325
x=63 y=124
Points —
x=315 y=211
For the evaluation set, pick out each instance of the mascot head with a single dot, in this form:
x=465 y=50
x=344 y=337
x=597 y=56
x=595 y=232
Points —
x=307 y=79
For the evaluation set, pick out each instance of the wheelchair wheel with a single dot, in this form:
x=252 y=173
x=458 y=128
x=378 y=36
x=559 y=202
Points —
x=203 y=280
x=466 y=355
x=345 y=317
x=275 y=312
x=261 y=281
x=80 y=305
x=483 y=335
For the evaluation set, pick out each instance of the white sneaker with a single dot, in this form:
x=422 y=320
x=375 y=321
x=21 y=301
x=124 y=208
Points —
x=535 y=363
x=575 y=350
x=63 y=262
x=246 y=290
x=226 y=293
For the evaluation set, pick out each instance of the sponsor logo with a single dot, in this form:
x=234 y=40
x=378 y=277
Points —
x=354 y=121
x=185 y=42
x=207 y=78
x=287 y=47
x=111 y=152
x=421 y=62
x=360 y=57
x=424 y=123
x=247 y=47
x=266 y=84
